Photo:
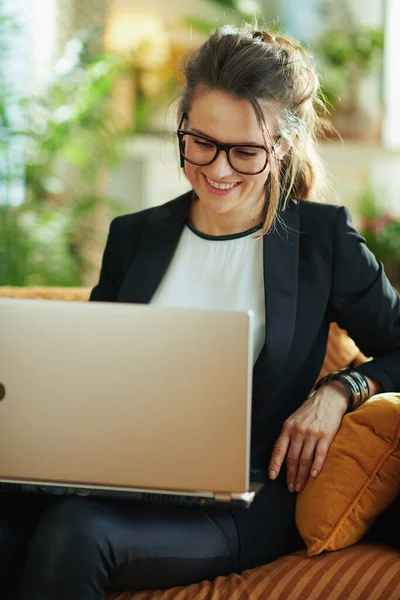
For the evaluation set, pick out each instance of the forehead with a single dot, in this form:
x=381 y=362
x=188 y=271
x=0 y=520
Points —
x=229 y=119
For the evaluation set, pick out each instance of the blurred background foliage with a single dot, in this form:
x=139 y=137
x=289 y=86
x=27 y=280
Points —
x=56 y=148
x=59 y=145
x=349 y=52
x=381 y=230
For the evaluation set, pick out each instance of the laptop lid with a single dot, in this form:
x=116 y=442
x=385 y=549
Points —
x=125 y=396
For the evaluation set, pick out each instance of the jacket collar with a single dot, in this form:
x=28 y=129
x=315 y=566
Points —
x=156 y=248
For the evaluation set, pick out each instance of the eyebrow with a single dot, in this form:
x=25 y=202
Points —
x=215 y=140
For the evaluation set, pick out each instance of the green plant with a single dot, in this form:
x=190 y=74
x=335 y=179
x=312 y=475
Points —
x=57 y=151
x=348 y=52
x=381 y=231
x=232 y=10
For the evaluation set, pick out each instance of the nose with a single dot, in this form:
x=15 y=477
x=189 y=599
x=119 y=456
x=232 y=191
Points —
x=220 y=168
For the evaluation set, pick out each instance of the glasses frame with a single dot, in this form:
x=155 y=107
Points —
x=219 y=147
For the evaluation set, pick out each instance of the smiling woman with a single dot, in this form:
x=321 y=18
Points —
x=273 y=104
x=254 y=235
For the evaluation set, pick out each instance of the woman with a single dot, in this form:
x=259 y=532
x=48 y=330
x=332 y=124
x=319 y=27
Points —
x=248 y=237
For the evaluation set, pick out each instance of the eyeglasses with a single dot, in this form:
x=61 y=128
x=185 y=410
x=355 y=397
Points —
x=248 y=159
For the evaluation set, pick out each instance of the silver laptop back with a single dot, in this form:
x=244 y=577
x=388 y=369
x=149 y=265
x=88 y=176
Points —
x=125 y=396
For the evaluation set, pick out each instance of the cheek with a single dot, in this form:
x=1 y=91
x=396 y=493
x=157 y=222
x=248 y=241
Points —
x=257 y=182
x=190 y=172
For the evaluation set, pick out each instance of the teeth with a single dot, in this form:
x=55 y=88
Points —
x=221 y=186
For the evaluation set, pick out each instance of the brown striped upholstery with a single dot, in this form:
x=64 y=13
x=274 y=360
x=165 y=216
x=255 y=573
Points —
x=363 y=572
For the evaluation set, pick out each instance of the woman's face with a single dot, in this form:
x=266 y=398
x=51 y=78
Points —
x=227 y=120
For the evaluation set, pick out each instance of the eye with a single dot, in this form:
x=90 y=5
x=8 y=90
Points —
x=203 y=143
x=246 y=152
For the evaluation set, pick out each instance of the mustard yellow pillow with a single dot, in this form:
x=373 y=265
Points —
x=359 y=480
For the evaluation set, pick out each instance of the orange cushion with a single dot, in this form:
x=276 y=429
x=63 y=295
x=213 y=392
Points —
x=341 y=351
x=359 y=480
x=365 y=571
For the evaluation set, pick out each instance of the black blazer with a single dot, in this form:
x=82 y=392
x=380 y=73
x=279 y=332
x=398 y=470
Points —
x=317 y=269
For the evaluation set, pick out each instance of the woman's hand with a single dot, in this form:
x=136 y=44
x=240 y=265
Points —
x=307 y=434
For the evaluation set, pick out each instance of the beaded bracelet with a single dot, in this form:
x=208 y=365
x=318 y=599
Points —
x=355 y=384
x=362 y=380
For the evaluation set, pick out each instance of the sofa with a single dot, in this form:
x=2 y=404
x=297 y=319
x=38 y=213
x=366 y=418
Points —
x=363 y=571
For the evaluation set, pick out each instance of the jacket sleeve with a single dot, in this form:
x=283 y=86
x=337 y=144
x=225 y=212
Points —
x=363 y=302
x=108 y=285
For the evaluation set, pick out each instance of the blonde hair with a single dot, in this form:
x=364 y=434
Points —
x=267 y=67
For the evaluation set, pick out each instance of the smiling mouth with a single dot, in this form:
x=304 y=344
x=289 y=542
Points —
x=221 y=186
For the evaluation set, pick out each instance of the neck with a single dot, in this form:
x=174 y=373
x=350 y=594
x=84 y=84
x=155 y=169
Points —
x=229 y=223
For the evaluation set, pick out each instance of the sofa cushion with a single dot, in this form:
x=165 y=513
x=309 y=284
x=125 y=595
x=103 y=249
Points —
x=359 y=480
x=341 y=351
x=80 y=294
x=367 y=571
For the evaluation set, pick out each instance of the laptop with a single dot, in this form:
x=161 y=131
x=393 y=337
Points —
x=131 y=400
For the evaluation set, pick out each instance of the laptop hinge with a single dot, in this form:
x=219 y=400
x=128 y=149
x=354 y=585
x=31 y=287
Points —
x=222 y=497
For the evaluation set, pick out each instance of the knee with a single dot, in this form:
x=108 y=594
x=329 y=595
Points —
x=70 y=529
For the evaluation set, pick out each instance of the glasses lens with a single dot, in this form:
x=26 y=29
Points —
x=247 y=159
x=197 y=150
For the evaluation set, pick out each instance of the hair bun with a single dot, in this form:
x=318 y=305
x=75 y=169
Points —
x=265 y=36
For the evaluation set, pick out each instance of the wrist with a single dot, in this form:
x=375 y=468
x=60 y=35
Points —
x=342 y=397
x=354 y=383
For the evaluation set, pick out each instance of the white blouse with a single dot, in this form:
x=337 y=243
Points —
x=217 y=272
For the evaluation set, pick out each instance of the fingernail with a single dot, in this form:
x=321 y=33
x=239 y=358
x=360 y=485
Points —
x=298 y=487
x=272 y=474
x=314 y=473
x=291 y=487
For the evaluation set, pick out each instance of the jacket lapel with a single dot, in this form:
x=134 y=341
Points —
x=159 y=240
x=281 y=263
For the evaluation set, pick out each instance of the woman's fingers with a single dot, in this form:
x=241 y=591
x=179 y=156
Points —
x=278 y=454
x=320 y=455
x=305 y=463
x=305 y=457
x=293 y=461
x=305 y=438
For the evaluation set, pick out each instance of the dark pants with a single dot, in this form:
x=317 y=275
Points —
x=82 y=548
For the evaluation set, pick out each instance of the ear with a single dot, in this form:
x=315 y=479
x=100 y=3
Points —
x=281 y=147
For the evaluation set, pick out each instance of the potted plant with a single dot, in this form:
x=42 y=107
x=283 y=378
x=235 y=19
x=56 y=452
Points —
x=350 y=52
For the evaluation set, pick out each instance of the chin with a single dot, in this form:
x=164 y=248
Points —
x=218 y=206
